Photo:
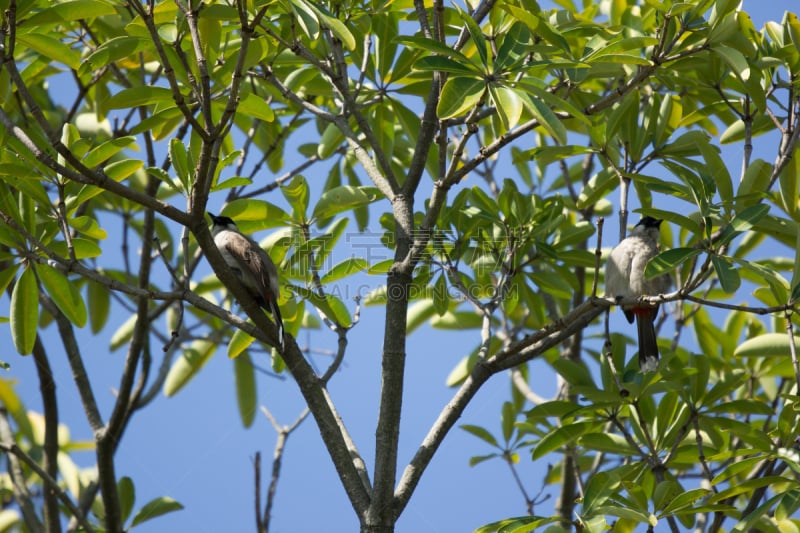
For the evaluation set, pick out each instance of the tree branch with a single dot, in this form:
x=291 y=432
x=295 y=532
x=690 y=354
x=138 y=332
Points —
x=283 y=434
x=513 y=355
x=47 y=388
x=20 y=490
x=346 y=458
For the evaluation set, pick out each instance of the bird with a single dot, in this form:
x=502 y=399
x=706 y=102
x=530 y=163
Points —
x=251 y=265
x=625 y=279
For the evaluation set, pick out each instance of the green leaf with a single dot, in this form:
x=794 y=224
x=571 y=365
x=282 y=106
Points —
x=718 y=171
x=230 y=183
x=123 y=333
x=521 y=524
x=767 y=345
x=556 y=286
x=100 y=154
x=477 y=36
x=597 y=188
x=337 y=27
x=27 y=210
x=441 y=298
x=748 y=217
x=155 y=508
x=120 y=170
x=384 y=26
x=684 y=500
x=179 y=158
x=516 y=41
x=64 y=294
x=742 y=407
x=755 y=520
x=544 y=155
x=255 y=106
x=330 y=306
x=573 y=372
x=530 y=20
x=253 y=215
x=330 y=141
x=779 y=287
x=671 y=216
x=127 y=496
x=482 y=434
x=795 y=272
x=548 y=120
x=323 y=244
x=743 y=221
x=461 y=370
x=7 y=274
x=478 y=459
x=99 y=298
x=246 y=397
x=790 y=504
x=459 y=95
x=459 y=320
x=88 y=226
x=726 y=273
x=734 y=58
x=345 y=268
x=615 y=47
x=669 y=260
x=384 y=122
x=698 y=380
x=344 y=198
x=50 y=48
x=240 y=341
x=296 y=193
x=622 y=118
x=445 y=64
x=309 y=10
x=24 y=312
x=22 y=177
x=600 y=488
x=306 y=18
x=507 y=419
x=139 y=96
x=113 y=50
x=507 y=103
x=432 y=46
x=749 y=485
x=554 y=408
x=608 y=443
x=561 y=437
x=193 y=358
x=70 y=474
x=83 y=248
x=14 y=406
x=789 y=183
x=69 y=12
x=418 y=314
x=624 y=59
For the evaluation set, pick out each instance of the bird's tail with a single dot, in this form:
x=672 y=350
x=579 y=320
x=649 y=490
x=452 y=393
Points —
x=276 y=314
x=648 y=345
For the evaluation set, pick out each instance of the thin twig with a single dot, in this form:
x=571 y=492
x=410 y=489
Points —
x=12 y=449
x=283 y=432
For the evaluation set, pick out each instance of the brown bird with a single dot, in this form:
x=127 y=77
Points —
x=251 y=264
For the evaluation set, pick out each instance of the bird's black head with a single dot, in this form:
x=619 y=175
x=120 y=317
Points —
x=222 y=222
x=650 y=222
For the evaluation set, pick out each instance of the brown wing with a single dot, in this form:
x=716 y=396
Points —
x=258 y=272
x=254 y=271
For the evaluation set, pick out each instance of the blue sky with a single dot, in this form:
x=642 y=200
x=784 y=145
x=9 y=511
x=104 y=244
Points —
x=192 y=447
